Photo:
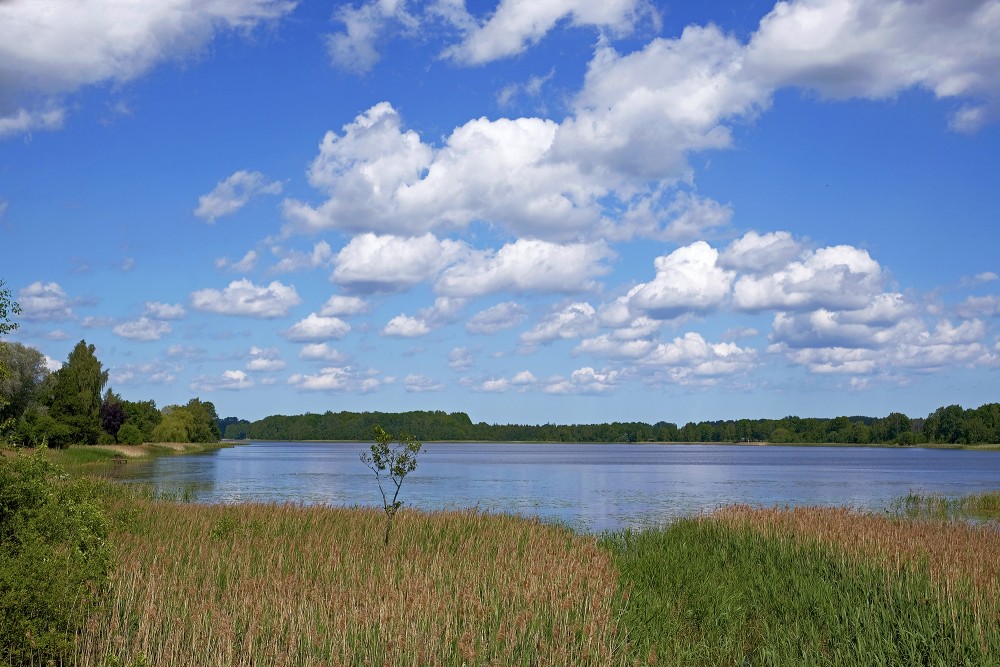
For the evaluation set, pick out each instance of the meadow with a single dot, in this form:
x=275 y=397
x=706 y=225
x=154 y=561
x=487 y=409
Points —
x=254 y=584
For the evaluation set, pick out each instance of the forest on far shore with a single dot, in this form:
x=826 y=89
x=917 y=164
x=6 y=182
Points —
x=946 y=425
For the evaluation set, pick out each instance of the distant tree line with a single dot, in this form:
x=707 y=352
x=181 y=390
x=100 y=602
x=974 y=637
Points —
x=950 y=425
x=73 y=406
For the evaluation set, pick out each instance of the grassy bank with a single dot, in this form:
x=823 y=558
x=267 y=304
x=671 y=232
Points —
x=295 y=585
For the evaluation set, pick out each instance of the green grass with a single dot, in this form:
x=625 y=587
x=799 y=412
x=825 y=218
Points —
x=980 y=506
x=702 y=592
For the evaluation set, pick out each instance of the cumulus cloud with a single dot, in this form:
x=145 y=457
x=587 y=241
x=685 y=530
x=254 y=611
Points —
x=980 y=306
x=419 y=384
x=584 y=380
x=517 y=24
x=44 y=302
x=164 y=311
x=372 y=263
x=527 y=265
x=233 y=193
x=294 y=260
x=321 y=352
x=404 y=326
x=760 y=253
x=333 y=378
x=45 y=54
x=460 y=358
x=690 y=359
x=152 y=372
x=339 y=306
x=242 y=297
x=522 y=381
x=505 y=315
x=228 y=381
x=316 y=328
x=572 y=321
x=687 y=280
x=442 y=312
x=264 y=360
x=143 y=329
x=836 y=277
x=876 y=48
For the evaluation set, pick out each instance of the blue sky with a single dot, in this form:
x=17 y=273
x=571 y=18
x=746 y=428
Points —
x=570 y=211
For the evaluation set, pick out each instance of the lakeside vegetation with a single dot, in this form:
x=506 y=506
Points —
x=946 y=425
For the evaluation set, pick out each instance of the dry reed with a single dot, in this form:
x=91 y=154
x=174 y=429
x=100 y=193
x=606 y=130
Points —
x=294 y=585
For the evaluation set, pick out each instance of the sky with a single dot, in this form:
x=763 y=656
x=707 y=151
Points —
x=571 y=211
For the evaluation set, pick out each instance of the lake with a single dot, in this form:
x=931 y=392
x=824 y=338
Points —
x=587 y=486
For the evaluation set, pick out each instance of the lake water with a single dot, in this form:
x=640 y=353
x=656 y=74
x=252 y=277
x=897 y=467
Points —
x=589 y=487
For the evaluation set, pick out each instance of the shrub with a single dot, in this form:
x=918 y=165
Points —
x=130 y=434
x=54 y=560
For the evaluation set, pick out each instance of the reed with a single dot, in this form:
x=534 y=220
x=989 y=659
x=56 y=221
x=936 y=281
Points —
x=979 y=506
x=811 y=586
x=292 y=585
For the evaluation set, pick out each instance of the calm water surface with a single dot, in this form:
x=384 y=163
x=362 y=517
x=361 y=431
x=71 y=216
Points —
x=589 y=487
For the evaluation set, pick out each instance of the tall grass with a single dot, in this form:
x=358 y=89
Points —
x=810 y=587
x=294 y=585
x=981 y=506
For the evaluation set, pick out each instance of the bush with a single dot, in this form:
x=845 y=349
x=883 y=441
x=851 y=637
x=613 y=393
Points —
x=54 y=560
x=130 y=434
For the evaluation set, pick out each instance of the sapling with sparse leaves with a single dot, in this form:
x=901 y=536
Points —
x=391 y=463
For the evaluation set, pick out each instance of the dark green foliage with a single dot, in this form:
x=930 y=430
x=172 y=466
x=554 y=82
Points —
x=112 y=414
x=144 y=416
x=129 y=434
x=391 y=463
x=21 y=382
x=238 y=433
x=54 y=560
x=76 y=399
x=701 y=593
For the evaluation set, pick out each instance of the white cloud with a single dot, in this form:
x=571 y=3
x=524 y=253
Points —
x=606 y=345
x=516 y=24
x=572 y=321
x=687 y=280
x=527 y=266
x=404 y=326
x=233 y=193
x=316 y=328
x=418 y=384
x=244 y=265
x=334 y=378
x=295 y=260
x=152 y=372
x=339 y=306
x=371 y=263
x=505 y=315
x=242 y=297
x=460 y=358
x=584 y=380
x=264 y=360
x=980 y=306
x=143 y=329
x=229 y=381
x=876 y=48
x=163 y=311
x=24 y=122
x=321 y=352
x=837 y=277
x=760 y=253
x=877 y=323
x=46 y=52
x=685 y=217
x=690 y=359
x=44 y=302
x=52 y=364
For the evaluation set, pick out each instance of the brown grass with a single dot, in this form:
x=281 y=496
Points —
x=958 y=556
x=292 y=585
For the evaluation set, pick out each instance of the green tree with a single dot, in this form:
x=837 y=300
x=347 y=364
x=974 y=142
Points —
x=144 y=416
x=76 y=399
x=391 y=463
x=113 y=414
x=21 y=380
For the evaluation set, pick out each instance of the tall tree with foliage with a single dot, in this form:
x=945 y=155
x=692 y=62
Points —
x=76 y=399
x=113 y=414
x=8 y=307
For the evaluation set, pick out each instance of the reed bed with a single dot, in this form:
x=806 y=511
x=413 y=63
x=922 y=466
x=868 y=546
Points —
x=961 y=559
x=295 y=585
x=748 y=586
x=979 y=506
